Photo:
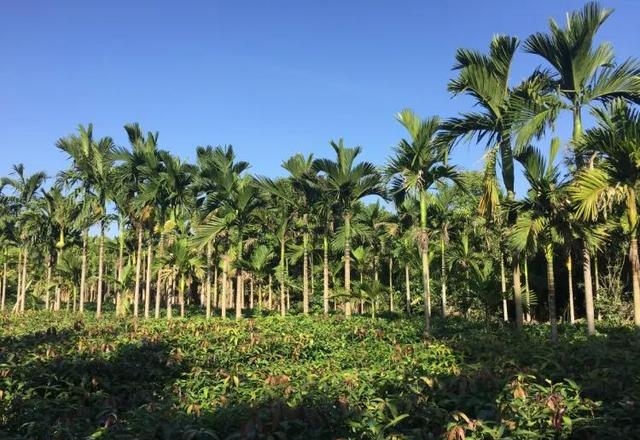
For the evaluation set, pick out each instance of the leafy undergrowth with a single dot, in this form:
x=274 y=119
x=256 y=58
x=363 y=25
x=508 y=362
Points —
x=312 y=378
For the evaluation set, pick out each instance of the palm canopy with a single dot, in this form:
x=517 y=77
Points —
x=92 y=162
x=509 y=117
x=614 y=146
x=584 y=73
x=213 y=165
x=421 y=161
x=25 y=187
x=543 y=209
x=346 y=180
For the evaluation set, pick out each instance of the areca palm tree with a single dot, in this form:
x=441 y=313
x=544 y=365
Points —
x=348 y=181
x=259 y=262
x=92 y=169
x=207 y=187
x=585 y=75
x=25 y=193
x=614 y=148
x=64 y=209
x=418 y=164
x=542 y=212
x=238 y=200
x=303 y=181
x=136 y=193
x=509 y=118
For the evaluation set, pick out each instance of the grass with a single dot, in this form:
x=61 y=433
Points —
x=66 y=377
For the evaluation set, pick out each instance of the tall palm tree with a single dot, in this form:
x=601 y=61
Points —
x=585 y=75
x=508 y=118
x=136 y=195
x=539 y=225
x=348 y=182
x=238 y=199
x=418 y=164
x=64 y=210
x=209 y=190
x=614 y=148
x=304 y=182
x=25 y=193
x=280 y=215
x=92 y=169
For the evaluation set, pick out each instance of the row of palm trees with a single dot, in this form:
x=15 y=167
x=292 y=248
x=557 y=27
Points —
x=185 y=228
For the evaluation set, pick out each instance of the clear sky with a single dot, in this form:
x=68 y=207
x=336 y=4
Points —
x=272 y=78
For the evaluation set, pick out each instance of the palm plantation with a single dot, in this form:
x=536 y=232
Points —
x=455 y=281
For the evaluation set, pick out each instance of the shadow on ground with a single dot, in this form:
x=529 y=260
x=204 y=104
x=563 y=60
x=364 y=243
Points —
x=70 y=383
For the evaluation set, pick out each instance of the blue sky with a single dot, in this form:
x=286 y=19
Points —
x=271 y=78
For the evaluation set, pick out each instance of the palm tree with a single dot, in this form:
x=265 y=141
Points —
x=136 y=192
x=182 y=264
x=585 y=75
x=508 y=119
x=238 y=199
x=539 y=225
x=63 y=210
x=25 y=193
x=259 y=263
x=348 y=182
x=613 y=146
x=211 y=164
x=417 y=165
x=303 y=181
x=92 y=169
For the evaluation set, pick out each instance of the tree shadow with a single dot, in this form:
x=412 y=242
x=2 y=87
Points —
x=86 y=383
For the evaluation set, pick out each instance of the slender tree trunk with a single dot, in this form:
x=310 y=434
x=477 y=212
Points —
x=424 y=249
x=391 y=284
x=305 y=267
x=215 y=286
x=25 y=263
x=596 y=278
x=159 y=281
x=283 y=310
x=120 y=270
x=572 y=315
x=136 y=290
x=517 y=291
x=147 y=290
x=347 y=264
x=225 y=286
x=58 y=293
x=208 y=288
x=588 y=291
x=16 y=306
x=181 y=293
x=527 y=299
x=100 y=270
x=443 y=272
x=251 y=293
x=47 y=292
x=325 y=275
x=635 y=278
x=83 y=270
x=170 y=291
x=270 y=300
x=503 y=284
x=239 y=295
x=4 y=286
x=239 y=282
x=407 y=286
x=553 y=318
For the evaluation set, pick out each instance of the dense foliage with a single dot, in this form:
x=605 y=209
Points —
x=117 y=275
x=308 y=377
